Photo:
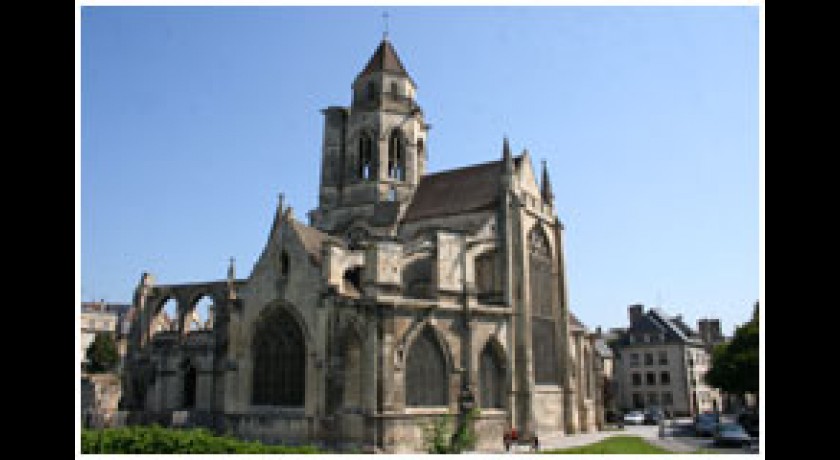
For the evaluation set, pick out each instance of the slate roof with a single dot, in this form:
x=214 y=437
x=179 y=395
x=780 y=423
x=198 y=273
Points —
x=575 y=321
x=678 y=322
x=312 y=239
x=458 y=191
x=104 y=307
x=385 y=59
x=655 y=322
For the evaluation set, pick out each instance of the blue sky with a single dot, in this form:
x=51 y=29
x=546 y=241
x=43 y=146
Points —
x=195 y=119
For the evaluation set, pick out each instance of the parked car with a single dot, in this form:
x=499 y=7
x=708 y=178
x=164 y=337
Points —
x=635 y=417
x=704 y=424
x=749 y=420
x=730 y=434
x=653 y=416
x=612 y=416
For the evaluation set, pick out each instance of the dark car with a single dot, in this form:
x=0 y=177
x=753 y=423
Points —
x=749 y=420
x=731 y=434
x=654 y=416
x=705 y=424
x=612 y=416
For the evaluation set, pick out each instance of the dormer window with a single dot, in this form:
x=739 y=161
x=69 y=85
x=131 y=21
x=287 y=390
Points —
x=395 y=89
x=371 y=91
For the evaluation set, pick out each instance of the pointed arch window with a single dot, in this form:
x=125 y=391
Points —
x=492 y=378
x=167 y=318
x=426 y=380
x=365 y=171
x=541 y=288
x=396 y=156
x=284 y=264
x=279 y=351
x=488 y=280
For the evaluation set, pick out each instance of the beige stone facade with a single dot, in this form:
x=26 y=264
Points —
x=662 y=363
x=99 y=317
x=407 y=297
x=606 y=403
x=100 y=397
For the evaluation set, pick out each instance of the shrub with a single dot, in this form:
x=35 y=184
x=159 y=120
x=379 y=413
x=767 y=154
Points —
x=439 y=438
x=437 y=435
x=464 y=437
x=157 y=440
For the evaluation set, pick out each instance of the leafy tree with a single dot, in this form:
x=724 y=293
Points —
x=735 y=365
x=102 y=353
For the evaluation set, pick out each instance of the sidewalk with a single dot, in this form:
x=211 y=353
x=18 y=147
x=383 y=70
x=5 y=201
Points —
x=668 y=441
x=561 y=441
x=671 y=444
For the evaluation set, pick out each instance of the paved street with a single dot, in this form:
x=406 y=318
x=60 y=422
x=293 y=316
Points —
x=679 y=438
x=681 y=432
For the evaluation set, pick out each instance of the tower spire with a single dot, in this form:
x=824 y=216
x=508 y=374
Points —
x=506 y=157
x=231 y=279
x=547 y=194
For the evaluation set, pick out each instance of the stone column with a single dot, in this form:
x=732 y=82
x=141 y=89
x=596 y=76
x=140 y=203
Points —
x=370 y=376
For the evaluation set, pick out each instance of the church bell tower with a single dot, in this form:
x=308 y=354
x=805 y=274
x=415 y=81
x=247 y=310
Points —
x=374 y=152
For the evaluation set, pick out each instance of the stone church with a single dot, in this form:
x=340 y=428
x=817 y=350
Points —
x=408 y=295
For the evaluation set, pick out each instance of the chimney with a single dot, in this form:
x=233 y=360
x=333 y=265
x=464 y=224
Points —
x=703 y=329
x=714 y=329
x=635 y=312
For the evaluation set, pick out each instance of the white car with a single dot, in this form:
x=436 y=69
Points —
x=635 y=417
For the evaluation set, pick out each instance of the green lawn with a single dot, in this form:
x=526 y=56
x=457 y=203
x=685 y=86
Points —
x=621 y=444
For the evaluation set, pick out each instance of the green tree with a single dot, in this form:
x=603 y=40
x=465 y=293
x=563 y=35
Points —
x=102 y=353
x=735 y=365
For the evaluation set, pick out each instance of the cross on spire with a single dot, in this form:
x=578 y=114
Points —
x=385 y=25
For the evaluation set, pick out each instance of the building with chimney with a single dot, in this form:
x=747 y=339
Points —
x=660 y=362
